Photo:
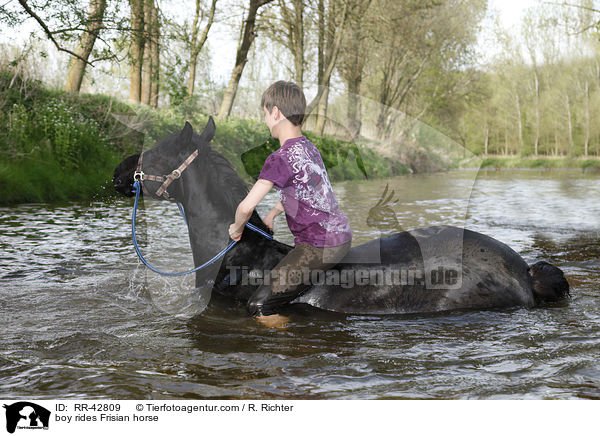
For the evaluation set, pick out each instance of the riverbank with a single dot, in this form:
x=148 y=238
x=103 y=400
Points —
x=57 y=146
x=589 y=163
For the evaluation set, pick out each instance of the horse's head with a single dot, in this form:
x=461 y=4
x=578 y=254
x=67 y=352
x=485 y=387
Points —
x=198 y=177
x=165 y=161
x=123 y=175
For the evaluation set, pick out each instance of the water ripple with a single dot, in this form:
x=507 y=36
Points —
x=83 y=319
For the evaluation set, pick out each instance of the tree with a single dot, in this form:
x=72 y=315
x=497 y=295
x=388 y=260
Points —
x=93 y=26
x=136 y=49
x=285 y=25
x=151 y=63
x=144 y=49
x=248 y=33
x=49 y=33
x=155 y=55
x=532 y=33
x=418 y=39
x=63 y=21
x=353 y=56
x=197 y=40
x=331 y=26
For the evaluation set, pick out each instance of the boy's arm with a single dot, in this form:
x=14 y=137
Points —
x=277 y=209
x=270 y=217
x=247 y=206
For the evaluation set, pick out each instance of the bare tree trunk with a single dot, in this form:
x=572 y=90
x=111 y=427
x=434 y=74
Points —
x=322 y=111
x=299 y=41
x=519 y=121
x=331 y=56
x=147 y=66
x=587 y=118
x=487 y=137
x=293 y=34
x=196 y=43
x=537 y=113
x=326 y=79
x=321 y=40
x=570 y=125
x=193 y=53
x=155 y=56
x=248 y=35
x=354 y=108
x=353 y=65
x=86 y=44
x=136 y=50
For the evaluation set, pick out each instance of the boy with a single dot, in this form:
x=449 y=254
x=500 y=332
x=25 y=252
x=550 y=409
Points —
x=322 y=234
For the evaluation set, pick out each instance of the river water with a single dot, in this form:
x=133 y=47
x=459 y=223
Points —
x=82 y=319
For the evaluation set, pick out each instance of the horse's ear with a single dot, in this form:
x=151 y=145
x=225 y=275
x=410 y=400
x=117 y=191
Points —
x=185 y=136
x=209 y=131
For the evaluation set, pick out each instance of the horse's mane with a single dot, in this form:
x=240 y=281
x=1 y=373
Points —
x=224 y=186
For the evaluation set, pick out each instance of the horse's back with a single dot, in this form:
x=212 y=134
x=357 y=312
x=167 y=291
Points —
x=432 y=269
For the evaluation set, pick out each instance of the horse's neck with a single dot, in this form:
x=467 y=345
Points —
x=216 y=178
x=207 y=229
x=208 y=223
x=208 y=233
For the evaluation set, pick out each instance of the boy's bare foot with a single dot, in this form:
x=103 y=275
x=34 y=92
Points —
x=273 y=321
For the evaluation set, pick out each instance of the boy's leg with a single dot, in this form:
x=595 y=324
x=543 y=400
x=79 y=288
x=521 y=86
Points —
x=288 y=276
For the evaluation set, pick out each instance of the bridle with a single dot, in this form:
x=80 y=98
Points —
x=140 y=176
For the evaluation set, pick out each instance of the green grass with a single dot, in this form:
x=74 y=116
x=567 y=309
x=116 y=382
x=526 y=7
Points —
x=535 y=162
x=32 y=181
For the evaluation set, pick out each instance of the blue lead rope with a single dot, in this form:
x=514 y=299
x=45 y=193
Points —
x=137 y=189
x=181 y=211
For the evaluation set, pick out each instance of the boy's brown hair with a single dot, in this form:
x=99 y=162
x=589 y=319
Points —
x=288 y=97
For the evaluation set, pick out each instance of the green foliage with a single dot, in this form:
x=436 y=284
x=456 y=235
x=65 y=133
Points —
x=57 y=146
x=33 y=180
x=542 y=89
x=175 y=80
x=73 y=138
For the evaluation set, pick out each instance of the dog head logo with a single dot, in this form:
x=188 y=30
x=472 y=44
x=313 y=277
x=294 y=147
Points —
x=26 y=415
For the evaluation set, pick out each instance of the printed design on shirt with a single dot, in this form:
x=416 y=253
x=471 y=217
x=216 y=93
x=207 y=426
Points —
x=310 y=179
x=312 y=186
x=288 y=201
x=337 y=223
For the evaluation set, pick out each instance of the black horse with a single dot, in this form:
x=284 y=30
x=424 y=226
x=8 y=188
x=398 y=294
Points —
x=425 y=270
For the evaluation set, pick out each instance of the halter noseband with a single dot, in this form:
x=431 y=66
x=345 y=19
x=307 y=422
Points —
x=140 y=176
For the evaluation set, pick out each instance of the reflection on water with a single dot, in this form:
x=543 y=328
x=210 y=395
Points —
x=83 y=319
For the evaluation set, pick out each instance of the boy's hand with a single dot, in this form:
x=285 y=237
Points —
x=268 y=220
x=234 y=233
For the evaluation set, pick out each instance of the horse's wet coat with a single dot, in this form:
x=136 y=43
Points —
x=433 y=269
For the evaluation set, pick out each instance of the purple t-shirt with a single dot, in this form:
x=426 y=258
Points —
x=311 y=209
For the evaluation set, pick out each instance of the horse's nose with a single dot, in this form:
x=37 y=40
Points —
x=118 y=183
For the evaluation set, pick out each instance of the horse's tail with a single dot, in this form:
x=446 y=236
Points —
x=549 y=282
